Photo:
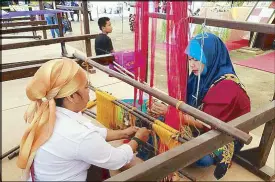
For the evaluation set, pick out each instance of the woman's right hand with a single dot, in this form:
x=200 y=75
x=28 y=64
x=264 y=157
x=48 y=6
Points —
x=159 y=108
x=143 y=134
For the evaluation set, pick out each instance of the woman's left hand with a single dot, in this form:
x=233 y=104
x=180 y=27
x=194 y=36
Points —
x=129 y=132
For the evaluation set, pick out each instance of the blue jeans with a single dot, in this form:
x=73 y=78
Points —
x=206 y=161
x=51 y=20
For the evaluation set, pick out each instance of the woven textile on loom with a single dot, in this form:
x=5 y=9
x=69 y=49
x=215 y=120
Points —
x=177 y=30
x=176 y=61
x=113 y=117
x=108 y=113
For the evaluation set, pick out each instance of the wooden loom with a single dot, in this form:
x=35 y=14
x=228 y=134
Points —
x=165 y=98
x=246 y=123
x=160 y=166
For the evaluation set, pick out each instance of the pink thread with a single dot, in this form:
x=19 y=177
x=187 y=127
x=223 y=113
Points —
x=177 y=64
x=141 y=44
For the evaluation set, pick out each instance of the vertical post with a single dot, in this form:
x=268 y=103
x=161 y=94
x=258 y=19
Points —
x=86 y=28
x=32 y=19
x=60 y=27
x=41 y=7
x=266 y=141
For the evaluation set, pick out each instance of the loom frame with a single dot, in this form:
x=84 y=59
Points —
x=182 y=156
x=264 y=171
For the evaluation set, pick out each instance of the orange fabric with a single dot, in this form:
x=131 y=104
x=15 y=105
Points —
x=55 y=79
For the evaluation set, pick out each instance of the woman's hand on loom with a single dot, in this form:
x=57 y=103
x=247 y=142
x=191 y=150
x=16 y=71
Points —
x=129 y=132
x=192 y=121
x=143 y=134
x=159 y=108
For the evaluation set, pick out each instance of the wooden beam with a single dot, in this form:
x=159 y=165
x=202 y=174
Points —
x=104 y=59
x=266 y=143
x=61 y=34
x=46 y=42
x=68 y=7
x=28 y=29
x=34 y=33
x=238 y=25
x=41 y=7
x=16 y=18
x=208 y=119
x=160 y=166
x=26 y=63
x=24 y=23
x=88 y=45
x=15 y=73
x=255 y=159
x=265 y=172
x=40 y=61
x=12 y=71
x=21 y=37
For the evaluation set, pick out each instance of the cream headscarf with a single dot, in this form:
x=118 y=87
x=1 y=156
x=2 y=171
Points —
x=57 y=78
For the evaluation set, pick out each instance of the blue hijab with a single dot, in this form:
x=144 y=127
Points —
x=217 y=63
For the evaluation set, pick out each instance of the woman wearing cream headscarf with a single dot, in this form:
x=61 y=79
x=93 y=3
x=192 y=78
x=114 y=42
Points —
x=60 y=144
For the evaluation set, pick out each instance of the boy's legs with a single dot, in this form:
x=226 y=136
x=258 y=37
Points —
x=57 y=30
x=90 y=15
x=50 y=22
x=72 y=15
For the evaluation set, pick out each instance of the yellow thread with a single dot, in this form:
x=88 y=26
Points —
x=166 y=137
x=106 y=109
x=167 y=127
x=199 y=133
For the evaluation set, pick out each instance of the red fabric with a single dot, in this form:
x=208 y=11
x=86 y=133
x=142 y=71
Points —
x=226 y=101
x=141 y=44
x=153 y=48
x=176 y=59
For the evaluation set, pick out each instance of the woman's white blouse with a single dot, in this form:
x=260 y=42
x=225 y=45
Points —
x=75 y=144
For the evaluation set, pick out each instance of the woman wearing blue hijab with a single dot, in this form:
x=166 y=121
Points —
x=214 y=88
